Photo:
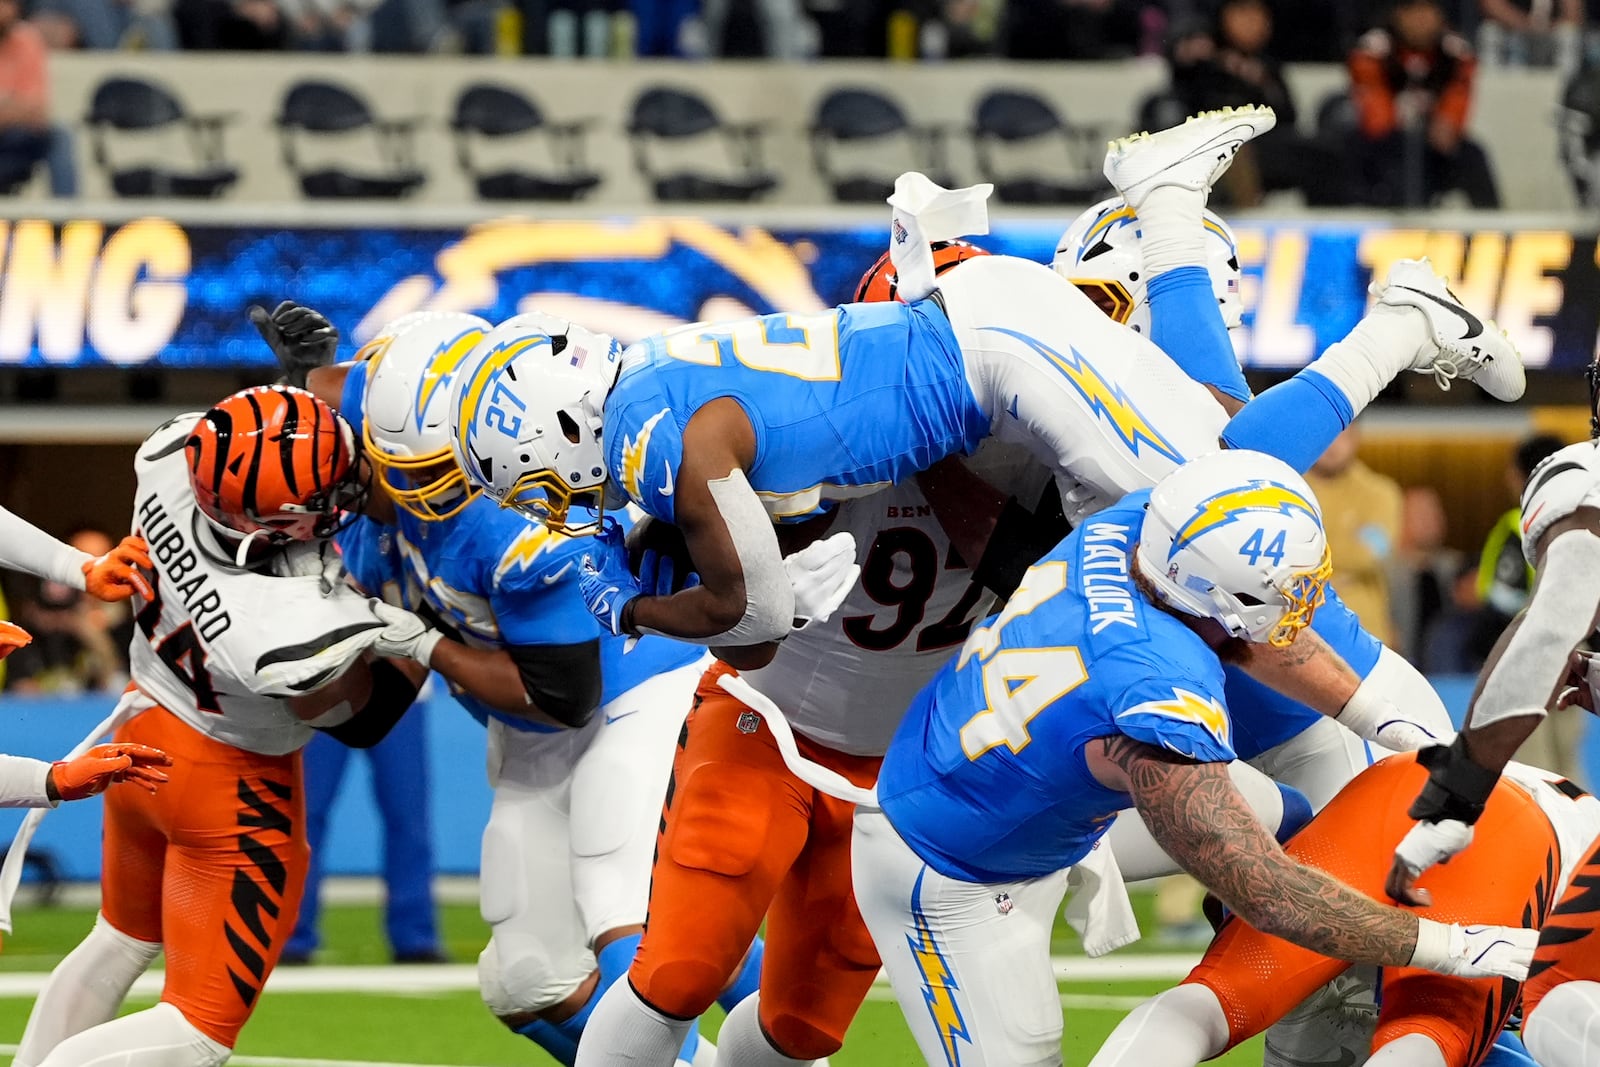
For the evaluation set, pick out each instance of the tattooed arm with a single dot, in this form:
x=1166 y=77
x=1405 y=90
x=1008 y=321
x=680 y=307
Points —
x=1309 y=671
x=1199 y=818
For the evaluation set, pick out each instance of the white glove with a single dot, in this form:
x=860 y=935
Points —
x=822 y=574
x=1474 y=951
x=406 y=636
x=1430 y=843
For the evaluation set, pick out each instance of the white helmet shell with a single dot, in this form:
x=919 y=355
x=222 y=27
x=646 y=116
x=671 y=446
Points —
x=405 y=411
x=1100 y=254
x=1237 y=536
x=525 y=414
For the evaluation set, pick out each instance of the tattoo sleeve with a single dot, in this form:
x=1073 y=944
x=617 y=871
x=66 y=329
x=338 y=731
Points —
x=1196 y=814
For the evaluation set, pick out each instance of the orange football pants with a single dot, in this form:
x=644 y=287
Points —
x=211 y=866
x=741 y=839
x=1569 y=941
x=1506 y=877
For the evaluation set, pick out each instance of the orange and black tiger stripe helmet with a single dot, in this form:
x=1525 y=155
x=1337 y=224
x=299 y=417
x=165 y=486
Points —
x=274 y=460
x=881 y=284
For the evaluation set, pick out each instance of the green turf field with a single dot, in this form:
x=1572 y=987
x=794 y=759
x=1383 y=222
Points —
x=451 y=1026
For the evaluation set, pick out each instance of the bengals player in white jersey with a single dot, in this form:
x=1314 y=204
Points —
x=248 y=638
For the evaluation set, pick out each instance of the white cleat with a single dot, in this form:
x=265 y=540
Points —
x=1464 y=346
x=1191 y=156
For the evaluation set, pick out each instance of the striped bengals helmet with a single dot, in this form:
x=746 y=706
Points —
x=880 y=284
x=274 y=460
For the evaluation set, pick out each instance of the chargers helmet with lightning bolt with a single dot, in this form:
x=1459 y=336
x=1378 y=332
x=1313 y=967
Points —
x=1237 y=536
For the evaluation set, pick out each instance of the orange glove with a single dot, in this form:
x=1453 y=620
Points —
x=115 y=575
x=12 y=637
x=102 y=765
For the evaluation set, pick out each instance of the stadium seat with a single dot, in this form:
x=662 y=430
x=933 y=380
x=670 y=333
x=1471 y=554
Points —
x=1336 y=116
x=133 y=105
x=865 y=118
x=1017 y=118
x=664 y=115
x=322 y=108
x=497 y=112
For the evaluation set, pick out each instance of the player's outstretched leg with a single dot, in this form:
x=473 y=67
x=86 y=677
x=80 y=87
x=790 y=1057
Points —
x=1178 y=1028
x=1564 y=1029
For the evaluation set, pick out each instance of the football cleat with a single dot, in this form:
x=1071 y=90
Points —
x=1464 y=346
x=1191 y=156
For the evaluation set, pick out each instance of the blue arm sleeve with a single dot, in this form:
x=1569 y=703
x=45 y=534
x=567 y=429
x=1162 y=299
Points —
x=1186 y=324
x=1295 y=420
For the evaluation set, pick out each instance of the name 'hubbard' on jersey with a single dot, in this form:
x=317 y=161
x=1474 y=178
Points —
x=986 y=778
x=842 y=401
x=221 y=647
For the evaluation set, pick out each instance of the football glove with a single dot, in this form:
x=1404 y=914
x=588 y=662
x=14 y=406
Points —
x=13 y=637
x=604 y=580
x=1425 y=845
x=822 y=574
x=98 y=768
x=116 y=575
x=658 y=575
x=1474 y=951
x=301 y=338
x=406 y=636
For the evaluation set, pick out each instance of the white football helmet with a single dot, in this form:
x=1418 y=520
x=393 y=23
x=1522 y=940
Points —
x=1100 y=254
x=1237 y=536
x=525 y=416
x=404 y=411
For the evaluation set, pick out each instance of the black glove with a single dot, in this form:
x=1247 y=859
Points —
x=301 y=338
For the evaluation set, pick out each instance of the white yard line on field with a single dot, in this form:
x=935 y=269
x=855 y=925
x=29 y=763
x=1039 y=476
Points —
x=418 y=980
x=289 y=1061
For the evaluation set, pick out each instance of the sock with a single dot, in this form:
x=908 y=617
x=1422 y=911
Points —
x=1409 y=1050
x=1172 y=231
x=85 y=989
x=1187 y=325
x=624 y=1031
x=572 y=1028
x=1373 y=354
x=748 y=980
x=549 y=1037
x=1508 y=1051
x=157 y=1037
x=1295 y=420
x=744 y=1044
x=614 y=960
x=1564 y=1030
x=1178 y=1028
x=1296 y=812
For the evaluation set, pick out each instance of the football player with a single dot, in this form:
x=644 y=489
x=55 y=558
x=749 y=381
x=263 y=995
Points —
x=720 y=430
x=1533 y=667
x=1534 y=830
x=247 y=640
x=581 y=735
x=1100 y=688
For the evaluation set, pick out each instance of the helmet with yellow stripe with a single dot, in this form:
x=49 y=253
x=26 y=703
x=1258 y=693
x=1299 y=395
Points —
x=525 y=416
x=404 y=411
x=1100 y=254
x=1237 y=536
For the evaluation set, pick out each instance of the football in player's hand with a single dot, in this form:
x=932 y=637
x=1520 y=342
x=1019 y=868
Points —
x=665 y=542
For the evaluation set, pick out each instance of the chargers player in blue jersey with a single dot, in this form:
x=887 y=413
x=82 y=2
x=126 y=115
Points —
x=722 y=429
x=581 y=736
x=1099 y=688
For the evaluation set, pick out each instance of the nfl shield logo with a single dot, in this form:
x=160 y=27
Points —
x=749 y=722
x=1002 y=903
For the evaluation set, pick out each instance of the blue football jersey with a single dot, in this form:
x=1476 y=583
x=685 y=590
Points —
x=495 y=579
x=842 y=401
x=986 y=778
x=355 y=386
x=1264 y=717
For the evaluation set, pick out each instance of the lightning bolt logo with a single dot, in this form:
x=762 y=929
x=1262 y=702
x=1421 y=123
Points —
x=1109 y=402
x=1231 y=505
x=534 y=541
x=1204 y=712
x=442 y=367
x=938 y=984
x=483 y=376
x=633 y=456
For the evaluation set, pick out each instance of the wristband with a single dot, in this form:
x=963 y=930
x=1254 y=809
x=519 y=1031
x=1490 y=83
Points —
x=1457 y=788
x=1433 y=945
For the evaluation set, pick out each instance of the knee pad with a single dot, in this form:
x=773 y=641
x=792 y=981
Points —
x=683 y=988
x=515 y=978
x=801 y=1038
x=1564 y=1023
x=720 y=819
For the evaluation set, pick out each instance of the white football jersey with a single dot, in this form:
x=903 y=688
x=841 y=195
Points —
x=1573 y=813
x=1564 y=482
x=846 y=683
x=222 y=647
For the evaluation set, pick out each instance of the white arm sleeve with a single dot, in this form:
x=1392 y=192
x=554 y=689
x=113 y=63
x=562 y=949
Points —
x=1559 y=616
x=22 y=783
x=25 y=547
